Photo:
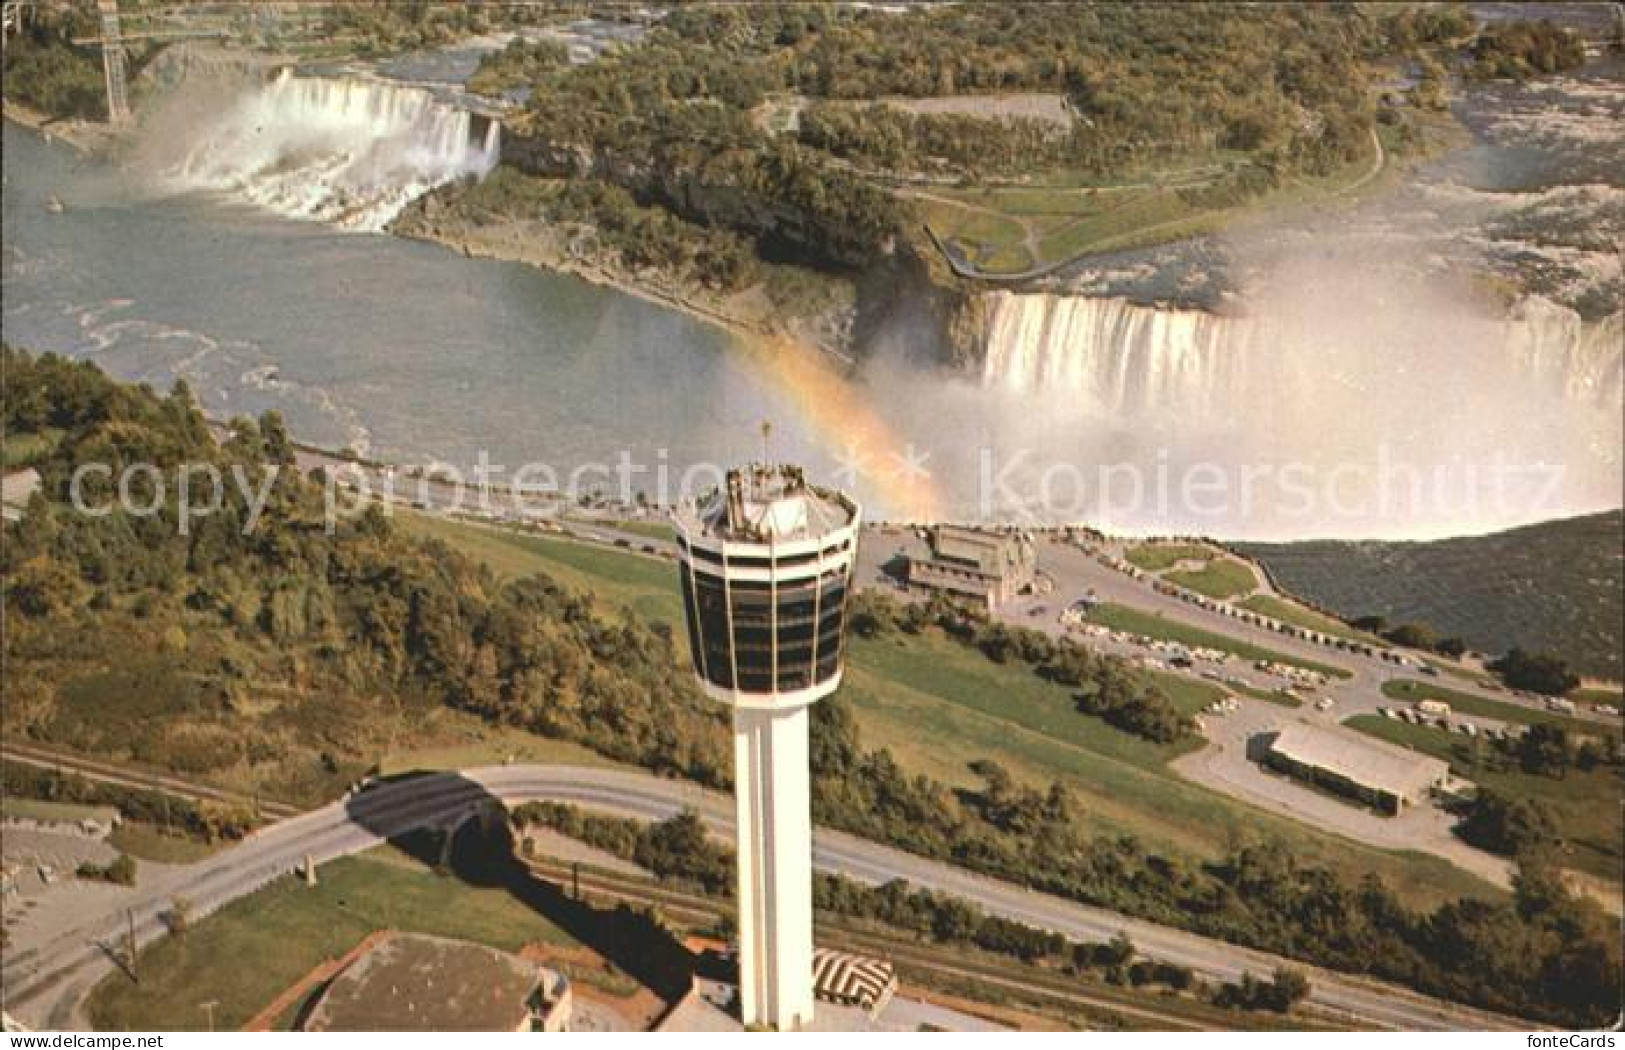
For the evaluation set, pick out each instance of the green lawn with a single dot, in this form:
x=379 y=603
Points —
x=1155 y=557
x=1153 y=625
x=1298 y=616
x=1584 y=804
x=651 y=528
x=1273 y=696
x=1412 y=690
x=1221 y=578
x=244 y=955
x=150 y=842
x=646 y=585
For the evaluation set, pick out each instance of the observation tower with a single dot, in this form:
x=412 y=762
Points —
x=766 y=563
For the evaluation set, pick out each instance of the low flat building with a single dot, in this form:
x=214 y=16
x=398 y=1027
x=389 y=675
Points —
x=416 y=983
x=1383 y=777
x=987 y=567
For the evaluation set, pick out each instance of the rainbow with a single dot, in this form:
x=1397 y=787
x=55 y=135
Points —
x=840 y=418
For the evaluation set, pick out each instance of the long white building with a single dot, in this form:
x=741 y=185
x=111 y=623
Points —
x=766 y=564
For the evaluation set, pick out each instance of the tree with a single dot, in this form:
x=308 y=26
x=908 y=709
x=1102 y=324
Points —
x=1537 y=672
x=1288 y=987
x=1544 y=749
x=1413 y=636
x=1514 y=827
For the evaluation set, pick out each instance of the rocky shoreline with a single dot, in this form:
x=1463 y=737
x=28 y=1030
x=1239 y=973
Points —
x=83 y=135
x=749 y=314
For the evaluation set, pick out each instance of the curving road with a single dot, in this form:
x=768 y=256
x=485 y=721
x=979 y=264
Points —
x=46 y=984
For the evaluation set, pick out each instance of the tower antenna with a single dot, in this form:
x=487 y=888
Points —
x=767 y=442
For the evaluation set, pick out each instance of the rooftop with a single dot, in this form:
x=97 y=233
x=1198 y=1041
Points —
x=764 y=503
x=415 y=983
x=1367 y=762
x=991 y=552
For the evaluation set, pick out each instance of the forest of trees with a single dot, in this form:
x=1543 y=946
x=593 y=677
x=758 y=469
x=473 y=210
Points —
x=296 y=654
x=290 y=653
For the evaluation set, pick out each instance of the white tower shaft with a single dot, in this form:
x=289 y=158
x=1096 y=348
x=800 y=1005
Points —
x=775 y=867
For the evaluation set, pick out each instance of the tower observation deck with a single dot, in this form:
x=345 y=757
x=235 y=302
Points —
x=766 y=563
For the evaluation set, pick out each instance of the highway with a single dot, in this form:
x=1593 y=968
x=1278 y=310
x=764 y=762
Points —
x=45 y=984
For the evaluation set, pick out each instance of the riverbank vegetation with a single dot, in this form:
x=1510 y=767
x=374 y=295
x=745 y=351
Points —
x=44 y=70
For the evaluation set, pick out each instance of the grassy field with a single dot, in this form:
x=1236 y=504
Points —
x=939 y=706
x=1007 y=229
x=646 y=585
x=1155 y=557
x=1274 y=696
x=1298 y=616
x=1553 y=586
x=54 y=812
x=486 y=745
x=1585 y=805
x=150 y=842
x=249 y=951
x=1221 y=578
x=654 y=529
x=1153 y=625
x=1412 y=690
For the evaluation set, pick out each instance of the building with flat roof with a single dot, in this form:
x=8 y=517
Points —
x=987 y=567
x=417 y=983
x=1368 y=771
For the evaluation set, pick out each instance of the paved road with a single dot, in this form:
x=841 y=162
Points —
x=45 y=984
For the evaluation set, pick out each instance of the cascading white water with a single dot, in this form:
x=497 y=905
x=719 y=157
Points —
x=1124 y=355
x=1129 y=359
x=348 y=152
x=1585 y=361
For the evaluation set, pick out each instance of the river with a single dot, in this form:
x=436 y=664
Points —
x=404 y=350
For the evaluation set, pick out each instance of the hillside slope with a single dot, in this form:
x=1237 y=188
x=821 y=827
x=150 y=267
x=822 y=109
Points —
x=1557 y=585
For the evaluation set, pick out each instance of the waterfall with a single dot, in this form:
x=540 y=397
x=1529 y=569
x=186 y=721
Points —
x=348 y=152
x=1125 y=356
x=1550 y=343
x=1125 y=359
